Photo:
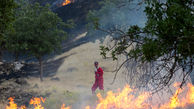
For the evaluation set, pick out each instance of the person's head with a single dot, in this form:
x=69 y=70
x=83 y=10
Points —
x=96 y=64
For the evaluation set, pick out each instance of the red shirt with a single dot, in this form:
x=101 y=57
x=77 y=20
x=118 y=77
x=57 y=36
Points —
x=99 y=73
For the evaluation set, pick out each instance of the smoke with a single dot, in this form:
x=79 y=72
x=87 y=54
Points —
x=123 y=13
x=118 y=14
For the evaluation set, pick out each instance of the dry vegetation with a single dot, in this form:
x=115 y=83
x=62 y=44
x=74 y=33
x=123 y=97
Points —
x=71 y=83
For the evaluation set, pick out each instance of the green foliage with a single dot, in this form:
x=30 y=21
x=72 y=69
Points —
x=172 y=24
x=95 y=20
x=170 y=28
x=38 y=30
x=151 y=50
x=6 y=17
x=103 y=51
x=167 y=38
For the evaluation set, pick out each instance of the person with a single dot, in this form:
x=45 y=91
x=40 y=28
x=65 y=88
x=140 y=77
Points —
x=98 y=78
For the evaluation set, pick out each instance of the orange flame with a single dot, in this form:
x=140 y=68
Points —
x=127 y=99
x=87 y=107
x=12 y=105
x=63 y=107
x=181 y=102
x=37 y=102
x=23 y=107
x=66 y=2
x=123 y=100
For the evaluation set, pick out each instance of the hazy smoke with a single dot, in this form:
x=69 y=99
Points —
x=120 y=14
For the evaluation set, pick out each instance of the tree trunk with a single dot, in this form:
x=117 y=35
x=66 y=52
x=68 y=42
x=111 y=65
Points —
x=41 y=68
x=1 y=57
x=16 y=56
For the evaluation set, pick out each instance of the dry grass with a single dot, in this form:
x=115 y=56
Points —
x=75 y=77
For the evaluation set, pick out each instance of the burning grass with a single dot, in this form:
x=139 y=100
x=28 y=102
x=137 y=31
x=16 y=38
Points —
x=127 y=99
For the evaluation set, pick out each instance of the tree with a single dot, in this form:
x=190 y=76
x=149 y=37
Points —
x=6 y=17
x=17 y=40
x=165 y=44
x=38 y=31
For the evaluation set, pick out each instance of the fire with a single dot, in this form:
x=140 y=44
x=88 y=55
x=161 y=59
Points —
x=63 y=107
x=66 y=2
x=176 y=101
x=37 y=102
x=127 y=99
x=87 y=107
x=123 y=100
x=190 y=94
x=12 y=105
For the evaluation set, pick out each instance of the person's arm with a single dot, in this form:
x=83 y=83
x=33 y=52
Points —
x=100 y=72
x=95 y=70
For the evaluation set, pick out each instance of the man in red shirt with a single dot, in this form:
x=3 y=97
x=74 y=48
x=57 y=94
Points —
x=98 y=78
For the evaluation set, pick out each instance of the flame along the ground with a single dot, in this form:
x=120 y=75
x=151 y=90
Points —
x=125 y=100
x=66 y=2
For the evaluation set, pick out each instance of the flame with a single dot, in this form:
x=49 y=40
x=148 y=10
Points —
x=63 y=107
x=87 y=107
x=190 y=94
x=66 y=2
x=37 y=102
x=127 y=99
x=13 y=105
x=23 y=107
x=123 y=100
x=176 y=101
